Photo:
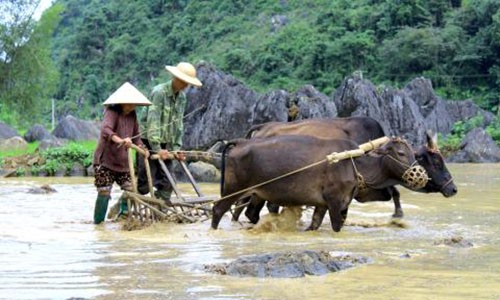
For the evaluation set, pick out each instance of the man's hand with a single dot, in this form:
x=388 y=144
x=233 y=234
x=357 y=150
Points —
x=181 y=156
x=164 y=154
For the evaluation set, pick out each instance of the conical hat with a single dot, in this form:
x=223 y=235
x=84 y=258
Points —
x=127 y=94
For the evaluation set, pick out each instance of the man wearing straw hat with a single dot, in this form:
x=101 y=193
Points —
x=119 y=128
x=162 y=126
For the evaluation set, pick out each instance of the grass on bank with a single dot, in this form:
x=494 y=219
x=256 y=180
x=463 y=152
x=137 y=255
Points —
x=32 y=148
x=54 y=159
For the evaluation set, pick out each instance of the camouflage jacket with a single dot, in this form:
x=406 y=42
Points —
x=162 y=122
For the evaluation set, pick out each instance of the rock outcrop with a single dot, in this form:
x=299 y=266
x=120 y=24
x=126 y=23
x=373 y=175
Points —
x=37 y=133
x=13 y=143
x=7 y=132
x=224 y=108
x=478 y=147
x=408 y=112
x=220 y=109
x=75 y=129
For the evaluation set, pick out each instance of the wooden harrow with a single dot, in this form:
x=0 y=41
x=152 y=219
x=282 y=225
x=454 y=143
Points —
x=147 y=209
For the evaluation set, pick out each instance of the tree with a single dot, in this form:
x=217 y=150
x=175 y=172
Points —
x=27 y=74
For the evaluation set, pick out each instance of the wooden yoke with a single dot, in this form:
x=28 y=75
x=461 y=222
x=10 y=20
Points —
x=371 y=145
x=363 y=148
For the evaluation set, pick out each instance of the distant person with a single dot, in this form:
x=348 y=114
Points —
x=119 y=129
x=162 y=127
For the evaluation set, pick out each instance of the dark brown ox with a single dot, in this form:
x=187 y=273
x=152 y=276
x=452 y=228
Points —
x=248 y=164
x=360 y=130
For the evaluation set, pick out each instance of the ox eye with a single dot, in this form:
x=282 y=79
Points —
x=401 y=152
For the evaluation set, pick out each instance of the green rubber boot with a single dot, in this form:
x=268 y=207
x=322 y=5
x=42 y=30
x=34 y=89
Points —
x=165 y=195
x=101 y=206
x=123 y=206
x=120 y=208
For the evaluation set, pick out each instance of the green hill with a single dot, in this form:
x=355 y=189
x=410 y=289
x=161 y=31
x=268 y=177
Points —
x=99 y=44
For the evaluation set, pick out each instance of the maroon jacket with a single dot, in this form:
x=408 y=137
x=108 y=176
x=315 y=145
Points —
x=107 y=153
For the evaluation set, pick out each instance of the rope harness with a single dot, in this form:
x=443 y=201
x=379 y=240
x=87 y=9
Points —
x=436 y=151
x=415 y=176
x=362 y=186
x=446 y=184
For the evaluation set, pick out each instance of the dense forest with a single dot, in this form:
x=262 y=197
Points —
x=81 y=50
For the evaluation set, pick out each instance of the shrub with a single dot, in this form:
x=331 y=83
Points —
x=451 y=143
x=494 y=130
x=50 y=167
x=63 y=158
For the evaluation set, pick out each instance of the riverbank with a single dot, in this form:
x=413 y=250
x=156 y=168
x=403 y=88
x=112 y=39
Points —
x=71 y=159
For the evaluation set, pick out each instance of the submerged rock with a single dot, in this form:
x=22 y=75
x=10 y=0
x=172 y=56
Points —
x=287 y=264
x=456 y=241
x=44 y=189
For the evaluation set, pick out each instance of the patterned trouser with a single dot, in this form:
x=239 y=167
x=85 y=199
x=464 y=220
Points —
x=104 y=179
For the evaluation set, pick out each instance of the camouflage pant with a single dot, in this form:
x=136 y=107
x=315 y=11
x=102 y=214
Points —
x=160 y=179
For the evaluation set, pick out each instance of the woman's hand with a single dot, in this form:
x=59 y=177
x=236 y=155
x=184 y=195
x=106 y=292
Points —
x=127 y=142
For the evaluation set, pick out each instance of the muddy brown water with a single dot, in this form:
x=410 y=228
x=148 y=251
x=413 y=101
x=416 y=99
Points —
x=49 y=249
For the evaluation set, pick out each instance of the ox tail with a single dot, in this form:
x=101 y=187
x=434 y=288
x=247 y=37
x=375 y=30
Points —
x=225 y=151
x=253 y=129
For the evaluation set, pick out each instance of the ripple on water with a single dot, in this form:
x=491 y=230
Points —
x=49 y=249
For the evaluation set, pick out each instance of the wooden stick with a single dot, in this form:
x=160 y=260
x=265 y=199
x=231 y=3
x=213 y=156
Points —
x=191 y=178
x=170 y=178
x=150 y=184
x=147 y=199
x=138 y=149
x=163 y=215
x=129 y=205
x=150 y=179
x=136 y=206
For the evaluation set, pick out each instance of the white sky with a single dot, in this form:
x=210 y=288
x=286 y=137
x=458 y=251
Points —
x=44 y=4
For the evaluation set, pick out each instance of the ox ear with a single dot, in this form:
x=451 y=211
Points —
x=432 y=140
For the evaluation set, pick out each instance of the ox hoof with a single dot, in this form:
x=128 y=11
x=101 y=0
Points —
x=398 y=215
x=311 y=228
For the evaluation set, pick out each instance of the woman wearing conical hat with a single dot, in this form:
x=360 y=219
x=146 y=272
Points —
x=162 y=126
x=118 y=127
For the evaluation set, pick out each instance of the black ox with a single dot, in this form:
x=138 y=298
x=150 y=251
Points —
x=247 y=164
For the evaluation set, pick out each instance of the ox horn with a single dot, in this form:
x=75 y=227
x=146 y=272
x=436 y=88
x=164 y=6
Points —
x=432 y=140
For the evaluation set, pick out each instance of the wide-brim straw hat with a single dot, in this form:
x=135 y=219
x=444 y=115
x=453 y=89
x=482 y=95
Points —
x=127 y=94
x=185 y=72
